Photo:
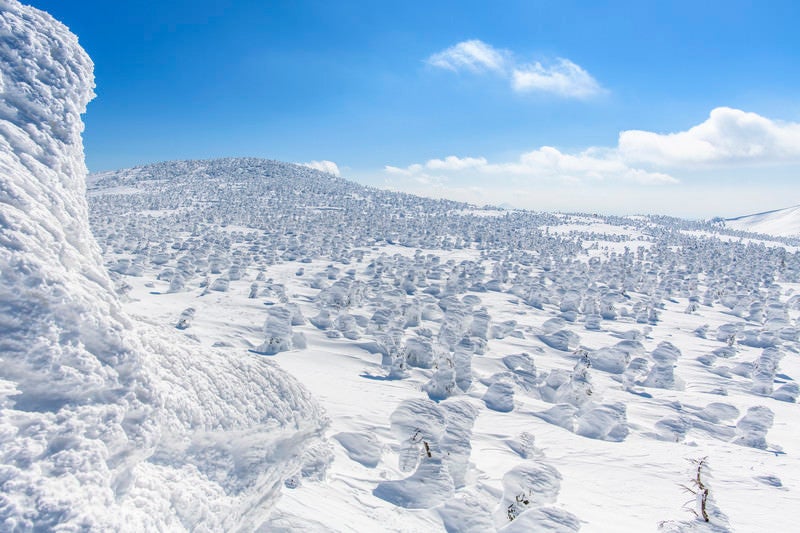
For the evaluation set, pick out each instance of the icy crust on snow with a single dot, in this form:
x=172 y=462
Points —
x=106 y=423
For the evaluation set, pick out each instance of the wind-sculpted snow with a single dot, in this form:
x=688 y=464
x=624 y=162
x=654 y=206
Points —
x=435 y=445
x=527 y=491
x=107 y=423
x=577 y=406
x=753 y=427
x=662 y=374
x=278 y=330
x=360 y=447
x=500 y=396
x=613 y=359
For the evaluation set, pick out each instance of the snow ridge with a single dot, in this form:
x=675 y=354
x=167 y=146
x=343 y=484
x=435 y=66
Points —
x=106 y=422
x=779 y=222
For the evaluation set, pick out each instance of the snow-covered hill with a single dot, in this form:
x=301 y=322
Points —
x=479 y=369
x=107 y=423
x=473 y=360
x=781 y=222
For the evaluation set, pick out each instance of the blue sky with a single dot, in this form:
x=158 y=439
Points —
x=520 y=103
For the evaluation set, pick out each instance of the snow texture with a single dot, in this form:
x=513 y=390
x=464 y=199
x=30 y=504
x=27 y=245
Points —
x=361 y=448
x=107 y=423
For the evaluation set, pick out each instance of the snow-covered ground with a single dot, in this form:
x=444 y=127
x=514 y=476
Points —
x=624 y=480
x=781 y=222
x=466 y=361
x=256 y=345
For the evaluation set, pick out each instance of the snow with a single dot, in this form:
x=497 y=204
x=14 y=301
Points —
x=479 y=370
x=385 y=353
x=109 y=423
x=781 y=222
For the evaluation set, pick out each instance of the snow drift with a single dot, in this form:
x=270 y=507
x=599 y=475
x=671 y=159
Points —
x=105 y=422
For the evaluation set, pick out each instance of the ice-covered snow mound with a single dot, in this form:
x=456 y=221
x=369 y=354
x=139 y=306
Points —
x=435 y=444
x=106 y=423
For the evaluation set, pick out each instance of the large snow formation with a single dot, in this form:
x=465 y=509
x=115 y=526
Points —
x=105 y=422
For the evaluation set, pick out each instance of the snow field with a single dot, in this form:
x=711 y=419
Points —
x=705 y=417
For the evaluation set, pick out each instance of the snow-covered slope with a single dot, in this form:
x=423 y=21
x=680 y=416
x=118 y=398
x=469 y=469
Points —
x=107 y=423
x=483 y=369
x=781 y=222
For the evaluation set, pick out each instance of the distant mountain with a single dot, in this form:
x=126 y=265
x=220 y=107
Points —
x=301 y=213
x=780 y=222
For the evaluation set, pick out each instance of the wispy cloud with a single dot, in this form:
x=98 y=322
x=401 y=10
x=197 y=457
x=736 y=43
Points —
x=545 y=163
x=323 y=166
x=560 y=77
x=456 y=163
x=473 y=55
x=563 y=78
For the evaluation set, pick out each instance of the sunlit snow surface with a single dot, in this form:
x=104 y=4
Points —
x=482 y=369
x=781 y=222
x=107 y=422
x=470 y=363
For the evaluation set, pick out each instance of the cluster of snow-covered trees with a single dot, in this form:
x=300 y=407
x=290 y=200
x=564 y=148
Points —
x=204 y=224
x=418 y=283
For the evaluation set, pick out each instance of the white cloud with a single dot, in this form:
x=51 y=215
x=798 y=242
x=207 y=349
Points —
x=545 y=163
x=389 y=169
x=417 y=174
x=727 y=136
x=456 y=163
x=562 y=78
x=638 y=175
x=716 y=161
x=473 y=55
x=590 y=165
x=323 y=166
